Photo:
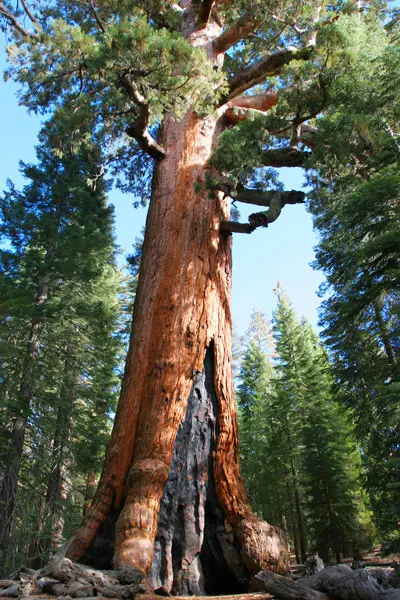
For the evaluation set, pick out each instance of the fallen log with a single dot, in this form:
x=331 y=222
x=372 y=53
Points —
x=341 y=582
x=65 y=570
x=75 y=579
x=361 y=564
x=338 y=582
x=281 y=587
x=5 y=583
x=11 y=592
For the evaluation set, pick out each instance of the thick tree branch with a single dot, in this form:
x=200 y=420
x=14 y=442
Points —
x=268 y=67
x=13 y=21
x=239 y=31
x=138 y=129
x=205 y=12
x=275 y=200
x=239 y=108
x=233 y=227
x=260 y=198
x=284 y=157
x=240 y=193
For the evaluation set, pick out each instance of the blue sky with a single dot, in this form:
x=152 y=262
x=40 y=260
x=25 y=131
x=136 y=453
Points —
x=282 y=252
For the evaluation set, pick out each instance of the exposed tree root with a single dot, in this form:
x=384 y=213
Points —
x=64 y=579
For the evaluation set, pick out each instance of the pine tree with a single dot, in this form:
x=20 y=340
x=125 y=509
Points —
x=291 y=392
x=60 y=310
x=261 y=449
x=356 y=210
x=324 y=459
x=332 y=464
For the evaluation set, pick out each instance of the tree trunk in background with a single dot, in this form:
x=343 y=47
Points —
x=384 y=333
x=182 y=312
x=294 y=527
x=332 y=518
x=59 y=482
x=9 y=487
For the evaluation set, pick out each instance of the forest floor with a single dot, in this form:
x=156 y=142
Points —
x=25 y=586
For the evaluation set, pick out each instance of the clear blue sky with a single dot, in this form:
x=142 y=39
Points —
x=282 y=252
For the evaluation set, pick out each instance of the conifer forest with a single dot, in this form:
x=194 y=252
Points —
x=146 y=447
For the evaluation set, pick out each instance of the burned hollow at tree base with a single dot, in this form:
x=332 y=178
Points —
x=195 y=550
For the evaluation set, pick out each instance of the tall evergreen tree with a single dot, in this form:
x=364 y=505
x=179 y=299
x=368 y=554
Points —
x=261 y=450
x=60 y=310
x=356 y=210
x=299 y=457
x=291 y=392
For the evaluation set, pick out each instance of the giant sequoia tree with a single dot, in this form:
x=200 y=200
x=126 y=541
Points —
x=176 y=93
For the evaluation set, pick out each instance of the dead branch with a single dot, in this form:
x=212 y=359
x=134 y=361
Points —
x=341 y=582
x=138 y=129
x=11 y=592
x=338 y=582
x=77 y=580
x=284 y=157
x=5 y=583
x=284 y=588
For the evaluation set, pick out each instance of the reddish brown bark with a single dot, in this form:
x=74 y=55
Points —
x=182 y=308
x=89 y=492
x=182 y=305
x=238 y=109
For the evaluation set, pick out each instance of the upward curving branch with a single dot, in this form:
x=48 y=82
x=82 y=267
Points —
x=268 y=67
x=30 y=14
x=239 y=31
x=138 y=129
x=13 y=21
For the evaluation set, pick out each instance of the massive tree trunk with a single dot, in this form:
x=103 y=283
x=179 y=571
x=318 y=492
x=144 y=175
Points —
x=170 y=500
x=182 y=314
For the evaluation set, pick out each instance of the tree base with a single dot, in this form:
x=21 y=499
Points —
x=195 y=551
x=198 y=549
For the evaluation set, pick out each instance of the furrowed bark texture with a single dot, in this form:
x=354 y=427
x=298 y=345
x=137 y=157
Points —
x=182 y=309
